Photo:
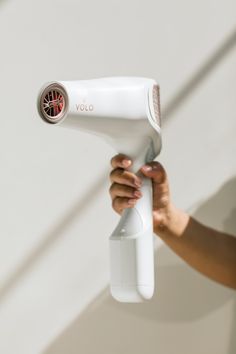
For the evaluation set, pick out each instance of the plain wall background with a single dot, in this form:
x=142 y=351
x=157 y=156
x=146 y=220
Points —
x=55 y=209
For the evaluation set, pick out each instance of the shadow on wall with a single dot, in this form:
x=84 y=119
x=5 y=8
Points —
x=220 y=211
x=52 y=237
x=183 y=295
x=2 y=2
x=200 y=75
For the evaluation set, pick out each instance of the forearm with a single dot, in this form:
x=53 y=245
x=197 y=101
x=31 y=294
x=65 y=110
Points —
x=211 y=252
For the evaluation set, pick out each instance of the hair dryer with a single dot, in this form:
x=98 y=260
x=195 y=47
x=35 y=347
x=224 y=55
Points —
x=125 y=111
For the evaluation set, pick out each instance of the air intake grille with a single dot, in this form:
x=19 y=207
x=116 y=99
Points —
x=156 y=104
x=53 y=103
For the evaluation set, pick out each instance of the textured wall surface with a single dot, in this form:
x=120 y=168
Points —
x=55 y=209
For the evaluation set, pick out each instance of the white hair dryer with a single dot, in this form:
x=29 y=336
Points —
x=125 y=111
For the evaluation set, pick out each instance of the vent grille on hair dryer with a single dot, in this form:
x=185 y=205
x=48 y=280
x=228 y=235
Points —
x=156 y=104
x=53 y=103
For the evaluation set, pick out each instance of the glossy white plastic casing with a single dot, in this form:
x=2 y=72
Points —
x=125 y=111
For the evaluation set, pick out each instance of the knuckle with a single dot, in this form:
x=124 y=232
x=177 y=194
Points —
x=111 y=189
x=114 y=160
x=115 y=174
x=156 y=165
x=111 y=175
x=116 y=205
x=113 y=203
x=117 y=189
x=161 y=200
x=159 y=172
x=164 y=200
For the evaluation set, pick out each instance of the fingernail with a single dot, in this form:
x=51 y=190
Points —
x=147 y=168
x=132 y=201
x=138 y=194
x=126 y=163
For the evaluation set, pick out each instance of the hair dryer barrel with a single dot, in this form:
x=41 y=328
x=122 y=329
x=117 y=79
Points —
x=125 y=111
x=116 y=107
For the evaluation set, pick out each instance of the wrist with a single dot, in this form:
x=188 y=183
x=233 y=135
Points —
x=173 y=223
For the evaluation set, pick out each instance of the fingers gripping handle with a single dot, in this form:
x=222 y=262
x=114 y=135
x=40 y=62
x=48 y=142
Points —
x=132 y=251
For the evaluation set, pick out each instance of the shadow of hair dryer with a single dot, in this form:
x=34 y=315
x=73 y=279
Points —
x=125 y=111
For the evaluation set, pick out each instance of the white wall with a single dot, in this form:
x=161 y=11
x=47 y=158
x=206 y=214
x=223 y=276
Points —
x=55 y=209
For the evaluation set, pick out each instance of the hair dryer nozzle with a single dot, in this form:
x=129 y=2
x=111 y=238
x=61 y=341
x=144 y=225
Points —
x=53 y=103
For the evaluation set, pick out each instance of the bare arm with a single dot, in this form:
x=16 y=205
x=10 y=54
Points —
x=209 y=251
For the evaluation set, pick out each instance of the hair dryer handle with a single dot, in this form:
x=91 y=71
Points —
x=132 y=251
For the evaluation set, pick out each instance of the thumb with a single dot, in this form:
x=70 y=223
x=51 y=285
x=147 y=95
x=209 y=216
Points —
x=155 y=171
x=161 y=194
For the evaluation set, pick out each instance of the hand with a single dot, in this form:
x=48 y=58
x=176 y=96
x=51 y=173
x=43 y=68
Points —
x=209 y=251
x=125 y=189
